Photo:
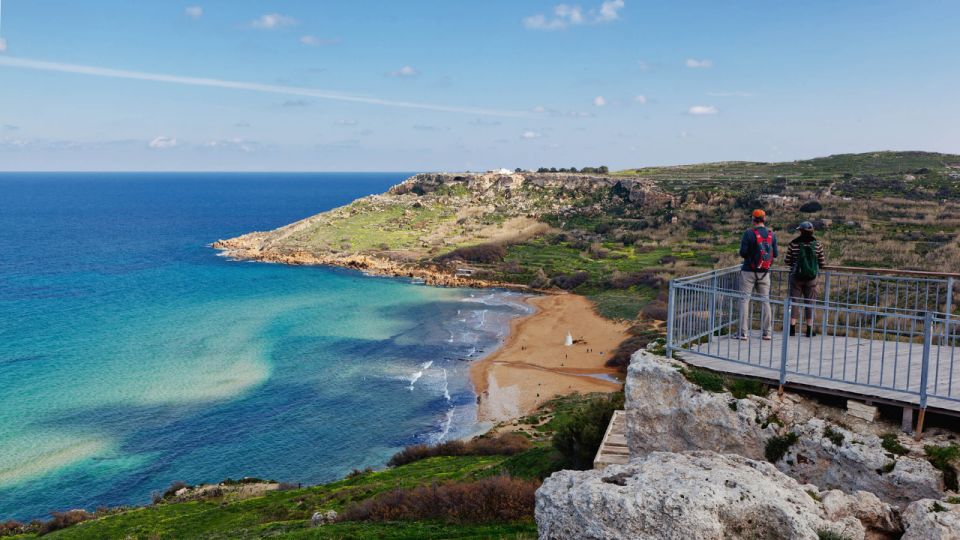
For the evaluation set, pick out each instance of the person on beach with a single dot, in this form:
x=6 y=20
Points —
x=758 y=248
x=805 y=259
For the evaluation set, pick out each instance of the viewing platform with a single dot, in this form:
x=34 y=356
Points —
x=880 y=336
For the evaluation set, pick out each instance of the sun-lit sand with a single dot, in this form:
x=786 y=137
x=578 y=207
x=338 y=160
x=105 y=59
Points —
x=535 y=365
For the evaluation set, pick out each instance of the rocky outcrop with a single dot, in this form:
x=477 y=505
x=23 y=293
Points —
x=665 y=412
x=319 y=519
x=880 y=520
x=929 y=519
x=701 y=495
x=833 y=458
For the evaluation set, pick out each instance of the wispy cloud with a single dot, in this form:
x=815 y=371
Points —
x=599 y=101
x=345 y=122
x=3 y=45
x=564 y=16
x=272 y=21
x=294 y=103
x=405 y=71
x=314 y=41
x=238 y=144
x=731 y=94
x=641 y=99
x=484 y=122
x=702 y=110
x=694 y=63
x=9 y=127
x=242 y=124
x=78 y=69
x=194 y=12
x=530 y=135
x=162 y=142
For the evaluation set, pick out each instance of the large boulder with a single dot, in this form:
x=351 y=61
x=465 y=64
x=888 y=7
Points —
x=831 y=457
x=880 y=520
x=929 y=519
x=666 y=412
x=701 y=495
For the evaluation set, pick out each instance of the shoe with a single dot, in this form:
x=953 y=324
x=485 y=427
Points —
x=793 y=330
x=743 y=338
x=809 y=331
x=766 y=338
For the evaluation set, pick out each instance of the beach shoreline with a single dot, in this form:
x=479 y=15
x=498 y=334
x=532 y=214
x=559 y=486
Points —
x=534 y=365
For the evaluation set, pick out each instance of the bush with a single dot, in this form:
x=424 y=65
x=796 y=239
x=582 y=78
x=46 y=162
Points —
x=702 y=225
x=811 y=207
x=495 y=499
x=891 y=443
x=572 y=281
x=579 y=438
x=656 y=310
x=942 y=457
x=833 y=435
x=482 y=254
x=171 y=491
x=11 y=527
x=707 y=380
x=741 y=388
x=778 y=446
x=62 y=520
x=507 y=444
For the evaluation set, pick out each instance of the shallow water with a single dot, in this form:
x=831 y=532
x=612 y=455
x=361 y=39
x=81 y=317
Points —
x=132 y=356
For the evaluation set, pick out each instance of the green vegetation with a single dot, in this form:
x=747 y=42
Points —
x=891 y=443
x=953 y=500
x=714 y=382
x=778 y=446
x=579 y=435
x=945 y=458
x=708 y=380
x=833 y=435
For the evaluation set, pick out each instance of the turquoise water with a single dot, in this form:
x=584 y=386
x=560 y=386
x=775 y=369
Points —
x=132 y=355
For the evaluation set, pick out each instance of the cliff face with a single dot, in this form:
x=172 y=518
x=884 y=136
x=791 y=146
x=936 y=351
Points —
x=401 y=231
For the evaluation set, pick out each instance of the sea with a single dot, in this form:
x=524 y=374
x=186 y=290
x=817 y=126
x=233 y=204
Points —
x=133 y=355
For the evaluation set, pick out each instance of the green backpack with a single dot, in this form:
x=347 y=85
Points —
x=808 y=267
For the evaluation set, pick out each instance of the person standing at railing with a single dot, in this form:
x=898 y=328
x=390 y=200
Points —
x=758 y=248
x=805 y=259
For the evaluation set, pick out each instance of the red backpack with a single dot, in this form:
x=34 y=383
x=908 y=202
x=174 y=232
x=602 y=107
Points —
x=764 y=258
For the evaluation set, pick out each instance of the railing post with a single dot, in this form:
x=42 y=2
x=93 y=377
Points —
x=713 y=308
x=948 y=311
x=784 y=342
x=826 y=303
x=924 y=369
x=671 y=307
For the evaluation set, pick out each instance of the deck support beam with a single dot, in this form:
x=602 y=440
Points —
x=906 y=423
x=920 y=418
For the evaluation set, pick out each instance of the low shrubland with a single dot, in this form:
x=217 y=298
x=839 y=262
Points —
x=507 y=444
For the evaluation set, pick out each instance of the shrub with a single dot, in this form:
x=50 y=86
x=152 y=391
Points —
x=942 y=458
x=811 y=207
x=741 y=388
x=572 y=281
x=891 y=443
x=668 y=259
x=507 y=444
x=62 y=520
x=707 y=380
x=11 y=527
x=778 y=446
x=602 y=228
x=494 y=499
x=833 y=435
x=483 y=254
x=702 y=225
x=171 y=491
x=656 y=310
x=824 y=534
x=579 y=438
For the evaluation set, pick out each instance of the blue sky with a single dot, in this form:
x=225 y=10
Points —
x=457 y=85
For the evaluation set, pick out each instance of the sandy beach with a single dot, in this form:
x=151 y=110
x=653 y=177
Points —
x=534 y=364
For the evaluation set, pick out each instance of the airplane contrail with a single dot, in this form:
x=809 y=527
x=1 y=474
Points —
x=40 y=65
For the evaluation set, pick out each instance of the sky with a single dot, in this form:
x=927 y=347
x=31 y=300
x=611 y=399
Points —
x=363 y=85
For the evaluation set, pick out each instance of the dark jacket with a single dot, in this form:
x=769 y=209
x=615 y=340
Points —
x=749 y=248
x=793 y=251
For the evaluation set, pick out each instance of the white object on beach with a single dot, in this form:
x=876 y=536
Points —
x=569 y=341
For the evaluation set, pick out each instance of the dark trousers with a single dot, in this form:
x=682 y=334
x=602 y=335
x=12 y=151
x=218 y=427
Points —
x=803 y=291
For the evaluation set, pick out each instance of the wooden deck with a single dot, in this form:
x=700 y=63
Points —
x=839 y=365
x=613 y=450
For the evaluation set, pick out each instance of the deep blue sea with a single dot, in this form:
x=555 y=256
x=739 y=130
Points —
x=132 y=355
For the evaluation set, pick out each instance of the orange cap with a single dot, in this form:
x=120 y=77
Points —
x=758 y=213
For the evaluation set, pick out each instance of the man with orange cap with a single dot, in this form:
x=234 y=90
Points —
x=758 y=248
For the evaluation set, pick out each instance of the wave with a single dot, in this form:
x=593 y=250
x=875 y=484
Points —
x=417 y=374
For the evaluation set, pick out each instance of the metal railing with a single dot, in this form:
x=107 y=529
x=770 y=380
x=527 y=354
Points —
x=891 y=335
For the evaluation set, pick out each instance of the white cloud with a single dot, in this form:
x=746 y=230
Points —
x=345 y=122
x=3 y=45
x=314 y=41
x=272 y=21
x=405 y=71
x=695 y=63
x=609 y=10
x=599 y=101
x=565 y=16
x=163 y=142
x=703 y=110
x=641 y=99
x=194 y=12
x=643 y=65
x=530 y=135
x=242 y=145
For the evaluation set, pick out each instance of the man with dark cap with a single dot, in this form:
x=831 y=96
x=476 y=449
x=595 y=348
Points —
x=758 y=248
x=805 y=259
